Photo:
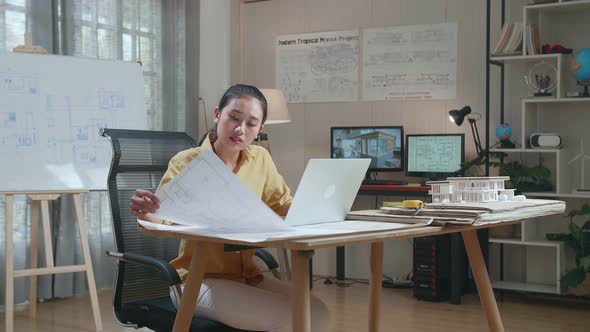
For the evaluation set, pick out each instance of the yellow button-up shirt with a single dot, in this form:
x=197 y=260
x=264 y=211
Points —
x=257 y=170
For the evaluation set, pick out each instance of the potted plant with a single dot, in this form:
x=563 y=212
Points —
x=527 y=178
x=522 y=177
x=577 y=280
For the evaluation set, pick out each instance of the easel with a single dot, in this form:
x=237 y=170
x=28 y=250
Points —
x=40 y=199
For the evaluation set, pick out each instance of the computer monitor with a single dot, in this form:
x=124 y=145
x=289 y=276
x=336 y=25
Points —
x=435 y=156
x=384 y=145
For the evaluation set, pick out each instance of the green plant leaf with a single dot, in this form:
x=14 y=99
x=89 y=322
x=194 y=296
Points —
x=558 y=237
x=572 y=278
x=568 y=239
x=585 y=209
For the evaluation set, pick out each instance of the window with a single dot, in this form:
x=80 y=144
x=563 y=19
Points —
x=14 y=19
x=128 y=30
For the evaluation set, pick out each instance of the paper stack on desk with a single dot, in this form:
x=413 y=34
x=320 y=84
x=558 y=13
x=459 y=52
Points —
x=399 y=214
x=467 y=213
x=207 y=199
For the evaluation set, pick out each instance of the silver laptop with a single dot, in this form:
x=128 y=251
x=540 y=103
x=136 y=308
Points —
x=326 y=191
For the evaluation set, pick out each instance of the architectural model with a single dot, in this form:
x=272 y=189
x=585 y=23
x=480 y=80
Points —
x=470 y=189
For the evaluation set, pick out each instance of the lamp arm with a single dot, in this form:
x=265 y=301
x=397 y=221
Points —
x=476 y=138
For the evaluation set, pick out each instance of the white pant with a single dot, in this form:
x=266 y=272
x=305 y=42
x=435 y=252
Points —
x=264 y=307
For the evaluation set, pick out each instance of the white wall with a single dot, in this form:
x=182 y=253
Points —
x=215 y=56
x=254 y=27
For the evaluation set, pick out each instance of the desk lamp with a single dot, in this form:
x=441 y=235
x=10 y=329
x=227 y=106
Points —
x=277 y=113
x=458 y=116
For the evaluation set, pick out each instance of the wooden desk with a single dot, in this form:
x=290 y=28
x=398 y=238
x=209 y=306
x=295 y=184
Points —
x=302 y=250
x=394 y=190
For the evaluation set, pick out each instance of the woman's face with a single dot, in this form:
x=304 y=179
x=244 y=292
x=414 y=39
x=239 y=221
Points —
x=238 y=123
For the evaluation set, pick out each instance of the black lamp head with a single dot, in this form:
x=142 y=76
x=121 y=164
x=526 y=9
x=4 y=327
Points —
x=457 y=116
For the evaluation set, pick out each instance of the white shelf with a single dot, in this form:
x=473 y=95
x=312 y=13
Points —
x=541 y=100
x=524 y=58
x=524 y=286
x=560 y=7
x=556 y=195
x=526 y=150
x=539 y=243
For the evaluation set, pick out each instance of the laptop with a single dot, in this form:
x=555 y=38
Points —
x=326 y=191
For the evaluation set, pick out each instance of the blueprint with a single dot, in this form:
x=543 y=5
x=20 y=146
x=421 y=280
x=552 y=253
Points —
x=207 y=199
x=318 y=67
x=206 y=194
x=51 y=111
x=417 y=62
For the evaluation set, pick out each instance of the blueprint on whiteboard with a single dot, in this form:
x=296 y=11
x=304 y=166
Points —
x=318 y=67
x=410 y=62
x=51 y=110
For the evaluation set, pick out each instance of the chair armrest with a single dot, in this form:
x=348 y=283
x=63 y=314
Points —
x=267 y=258
x=261 y=253
x=237 y=247
x=169 y=273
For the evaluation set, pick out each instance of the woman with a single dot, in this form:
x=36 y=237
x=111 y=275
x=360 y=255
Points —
x=234 y=291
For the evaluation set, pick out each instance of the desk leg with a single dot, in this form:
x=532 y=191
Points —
x=300 y=292
x=9 y=299
x=340 y=261
x=375 y=286
x=458 y=272
x=188 y=300
x=482 y=281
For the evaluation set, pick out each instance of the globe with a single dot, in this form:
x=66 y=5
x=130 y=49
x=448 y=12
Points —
x=580 y=66
x=503 y=132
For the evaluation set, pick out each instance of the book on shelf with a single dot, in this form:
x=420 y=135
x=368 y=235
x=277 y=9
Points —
x=510 y=41
x=533 y=40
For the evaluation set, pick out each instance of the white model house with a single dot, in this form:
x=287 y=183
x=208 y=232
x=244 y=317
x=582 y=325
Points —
x=470 y=189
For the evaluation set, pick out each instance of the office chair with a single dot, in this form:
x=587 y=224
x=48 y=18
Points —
x=142 y=297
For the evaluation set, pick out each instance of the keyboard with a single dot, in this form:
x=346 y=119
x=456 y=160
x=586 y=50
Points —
x=385 y=182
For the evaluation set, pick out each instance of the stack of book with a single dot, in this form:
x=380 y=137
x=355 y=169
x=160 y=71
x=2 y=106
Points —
x=510 y=42
x=533 y=41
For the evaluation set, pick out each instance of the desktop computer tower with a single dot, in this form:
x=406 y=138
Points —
x=432 y=268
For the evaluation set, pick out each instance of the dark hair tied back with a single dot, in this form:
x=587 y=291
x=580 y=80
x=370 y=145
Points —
x=241 y=90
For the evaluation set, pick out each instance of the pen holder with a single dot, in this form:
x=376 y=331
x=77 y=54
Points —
x=542 y=79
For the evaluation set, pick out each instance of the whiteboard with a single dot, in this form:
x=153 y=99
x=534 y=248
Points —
x=51 y=110
x=414 y=62
x=318 y=67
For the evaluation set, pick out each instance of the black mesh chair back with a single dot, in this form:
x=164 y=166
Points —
x=140 y=159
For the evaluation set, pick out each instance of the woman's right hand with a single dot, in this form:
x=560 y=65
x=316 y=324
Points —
x=143 y=203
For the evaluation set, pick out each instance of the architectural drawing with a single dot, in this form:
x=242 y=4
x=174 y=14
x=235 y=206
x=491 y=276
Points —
x=52 y=108
x=317 y=67
x=410 y=62
x=15 y=83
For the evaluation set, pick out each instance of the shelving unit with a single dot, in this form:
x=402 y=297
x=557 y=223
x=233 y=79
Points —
x=538 y=114
x=531 y=248
x=558 y=7
x=522 y=58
